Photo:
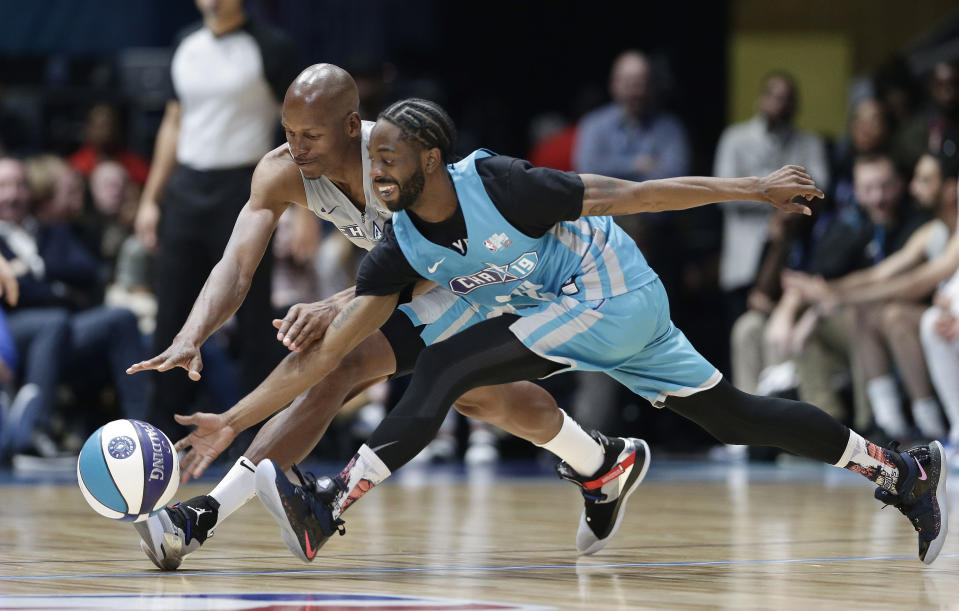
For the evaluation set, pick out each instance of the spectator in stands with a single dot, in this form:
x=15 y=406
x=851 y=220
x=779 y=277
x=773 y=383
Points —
x=127 y=264
x=893 y=295
x=59 y=338
x=936 y=131
x=767 y=141
x=101 y=337
x=60 y=188
x=870 y=132
x=939 y=331
x=103 y=141
x=114 y=199
x=891 y=223
x=630 y=137
x=800 y=244
x=39 y=335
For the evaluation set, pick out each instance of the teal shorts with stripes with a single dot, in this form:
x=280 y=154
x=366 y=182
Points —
x=441 y=313
x=630 y=337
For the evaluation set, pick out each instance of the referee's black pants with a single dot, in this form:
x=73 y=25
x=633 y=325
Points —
x=198 y=211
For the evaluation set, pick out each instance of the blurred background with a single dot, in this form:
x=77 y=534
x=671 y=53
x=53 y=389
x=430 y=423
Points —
x=83 y=84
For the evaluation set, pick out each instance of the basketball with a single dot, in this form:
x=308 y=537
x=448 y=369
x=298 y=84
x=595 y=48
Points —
x=128 y=469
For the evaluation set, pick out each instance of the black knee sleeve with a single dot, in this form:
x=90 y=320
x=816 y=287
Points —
x=736 y=417
x=485 y=354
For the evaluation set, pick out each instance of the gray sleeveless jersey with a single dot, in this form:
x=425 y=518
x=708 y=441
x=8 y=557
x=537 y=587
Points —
x=326 y=201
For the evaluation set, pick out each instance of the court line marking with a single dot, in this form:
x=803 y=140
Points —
x=464 y=569
x=644 y=549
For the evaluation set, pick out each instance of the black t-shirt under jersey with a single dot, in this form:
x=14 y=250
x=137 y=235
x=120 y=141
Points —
x=532 y=200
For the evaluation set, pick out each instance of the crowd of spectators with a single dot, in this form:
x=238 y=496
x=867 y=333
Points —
x=829 y=307
x=851 y=309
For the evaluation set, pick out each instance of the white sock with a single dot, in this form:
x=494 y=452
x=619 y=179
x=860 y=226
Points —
x=928 y=417
x=886 y=405
x=236 y=488
x=574 y=446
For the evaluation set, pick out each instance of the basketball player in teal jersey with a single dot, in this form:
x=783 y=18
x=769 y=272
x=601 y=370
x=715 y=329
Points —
x=325 y=168
x=574 y=293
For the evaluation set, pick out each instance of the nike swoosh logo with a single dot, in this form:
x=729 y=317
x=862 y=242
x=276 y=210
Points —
x=922 y=471
x=432 y=268
x=385 y=445
x=310 y=552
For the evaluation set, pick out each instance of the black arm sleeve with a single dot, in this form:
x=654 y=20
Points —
x=532 y=199
x=385 y=270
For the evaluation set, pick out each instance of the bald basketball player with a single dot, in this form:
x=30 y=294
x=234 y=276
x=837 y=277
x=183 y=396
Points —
x=324 y=167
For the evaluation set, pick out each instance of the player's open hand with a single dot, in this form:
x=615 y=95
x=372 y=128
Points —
x=788 y=187
x=180 y=354
x=304 y=324
x=211 y=436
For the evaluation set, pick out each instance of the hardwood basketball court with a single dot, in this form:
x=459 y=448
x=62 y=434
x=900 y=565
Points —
x=696 y=535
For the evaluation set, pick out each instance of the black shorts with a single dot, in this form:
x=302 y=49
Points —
x=404 y=338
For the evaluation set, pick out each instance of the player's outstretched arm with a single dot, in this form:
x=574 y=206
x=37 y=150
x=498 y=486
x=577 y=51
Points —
x=295 y=373
x=783 y=189
x=230 y=280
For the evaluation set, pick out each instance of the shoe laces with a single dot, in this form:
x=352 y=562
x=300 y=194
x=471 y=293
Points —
x=913 y=509
x=310 y=492
x=602 y=439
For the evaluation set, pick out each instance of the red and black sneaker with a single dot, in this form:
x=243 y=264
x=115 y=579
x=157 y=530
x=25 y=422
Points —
x=606 y=492
x=304 y=512
x=922 y=496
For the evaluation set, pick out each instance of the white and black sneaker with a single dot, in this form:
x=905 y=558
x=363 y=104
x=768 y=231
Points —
x=170 y=534
x=606 y=492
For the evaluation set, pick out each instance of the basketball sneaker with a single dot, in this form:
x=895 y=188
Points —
x=304 y=512
x=168 y=535
x=922 y=496
x=606 y=492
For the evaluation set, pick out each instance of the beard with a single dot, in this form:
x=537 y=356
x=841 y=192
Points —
x=409 y=192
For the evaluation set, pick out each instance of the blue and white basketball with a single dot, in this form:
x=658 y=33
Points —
x=128 y=469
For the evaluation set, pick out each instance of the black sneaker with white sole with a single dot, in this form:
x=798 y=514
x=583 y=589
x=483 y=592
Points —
x=304 y=512
x=605 y=493
x=922 y=496
x=168 y=535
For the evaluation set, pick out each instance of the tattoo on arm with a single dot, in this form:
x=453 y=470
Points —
x=597 y=210
x=343 y=317
x=598 y=187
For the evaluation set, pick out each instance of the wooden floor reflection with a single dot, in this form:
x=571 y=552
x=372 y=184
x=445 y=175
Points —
x=739 y=541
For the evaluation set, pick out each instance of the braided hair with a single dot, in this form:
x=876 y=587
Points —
x=425 y=122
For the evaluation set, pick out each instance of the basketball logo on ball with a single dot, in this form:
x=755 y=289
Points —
x=128 y=469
